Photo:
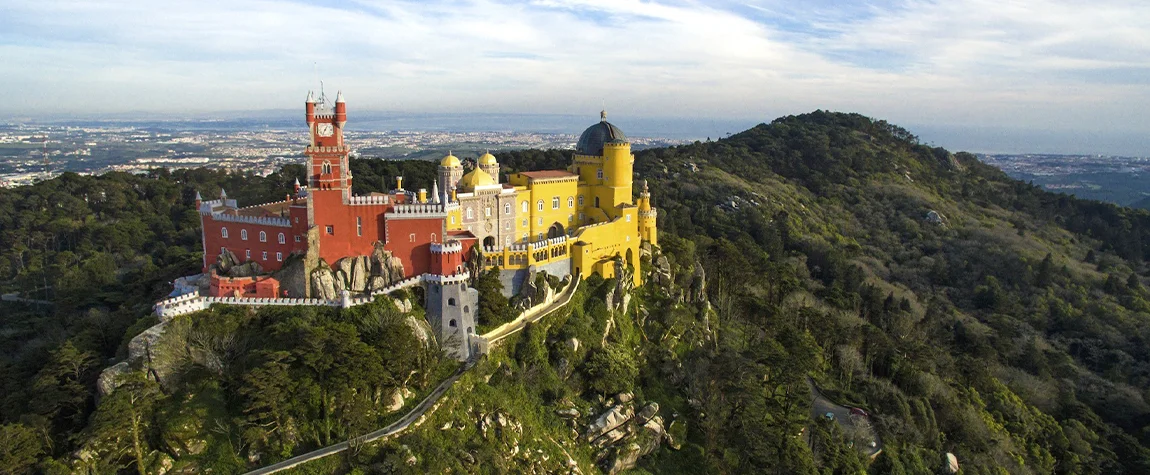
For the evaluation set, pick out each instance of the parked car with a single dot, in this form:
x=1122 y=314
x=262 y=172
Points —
x=859 y=412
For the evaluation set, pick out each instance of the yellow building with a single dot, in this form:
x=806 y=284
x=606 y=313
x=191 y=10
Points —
x=582 y=220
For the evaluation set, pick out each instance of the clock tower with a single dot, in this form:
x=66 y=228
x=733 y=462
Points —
x=327 y=154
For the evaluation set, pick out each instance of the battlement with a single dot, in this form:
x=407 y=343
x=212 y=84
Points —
x=264 y=221
x=648 y=214
x=447 y=279
x=447 y=247
x=522 y=255
x=418 y=210
x=328 y=149
x=369 y=200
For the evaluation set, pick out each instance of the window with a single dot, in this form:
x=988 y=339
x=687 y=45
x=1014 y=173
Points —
x=507 y=225
x=433 y=237
x=540 y=236
x=451 y=323
x=265 y=255
x=487 y=212
x=283 y=239
x=326 y=168
x=279 y=257
x=599 y=174
x=524 y=237
x=297 y=220
x=506 y=208
x=628 y=218
x=580 y=200
x=469 y=214
x=451 y=302
x=248 y=254
x=453 y=219
x=297 y=238
x=330 y=229
x=244 y=234
x=525 y=206
x=358 y=226
x=540 y=221
x=466 y=309
x=555 y=203
x=570 y=201
x=263 y=236
x=224 y=232
x=411 y=237
x=540 y=205
x=223 y=250
x=596 y=201
x=524 y=222
x=582 y=218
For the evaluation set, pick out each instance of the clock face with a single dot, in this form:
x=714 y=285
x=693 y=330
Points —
x=324 y=130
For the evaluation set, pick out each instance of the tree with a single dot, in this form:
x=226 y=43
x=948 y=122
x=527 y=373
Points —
x=20 y=448
x=611 y=370
x=494 y=309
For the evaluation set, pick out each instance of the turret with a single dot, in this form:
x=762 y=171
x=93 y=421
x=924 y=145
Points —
x=198 y=200
x=423 y=195
x=340 y=110
x=297 y=187
x=309 y=108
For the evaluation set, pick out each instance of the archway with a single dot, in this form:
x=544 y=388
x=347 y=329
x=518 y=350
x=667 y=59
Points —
x=489 y=241
x=556 y=230
x=630 y=259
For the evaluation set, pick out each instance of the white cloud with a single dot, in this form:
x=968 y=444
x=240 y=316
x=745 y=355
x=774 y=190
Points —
x=1025 y=63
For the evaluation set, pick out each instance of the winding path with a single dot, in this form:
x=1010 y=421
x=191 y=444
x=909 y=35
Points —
x=429 y=402
x=821 y=406
x=398 y=426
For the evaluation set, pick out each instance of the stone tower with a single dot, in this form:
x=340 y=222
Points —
x=451 y=305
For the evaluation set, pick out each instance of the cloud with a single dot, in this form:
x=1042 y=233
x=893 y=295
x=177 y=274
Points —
x=1023 y=63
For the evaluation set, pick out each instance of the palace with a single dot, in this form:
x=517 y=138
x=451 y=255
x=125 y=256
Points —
x=580 y=221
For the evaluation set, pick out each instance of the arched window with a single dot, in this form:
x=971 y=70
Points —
x=555 y=203
x=451 y=323
x=570 y=201
x=263 y=236
x=506 y=208
x=599 y=174
x=451 y=302
x=596 y=201
x=525 y=206
x=539 y=205
x=487 y=212
x=224 y=232
x=283 y=239
x=326 y=168
x=466 y=309
x=244 y=234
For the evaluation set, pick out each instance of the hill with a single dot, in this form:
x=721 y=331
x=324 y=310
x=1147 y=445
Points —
x=966 y=312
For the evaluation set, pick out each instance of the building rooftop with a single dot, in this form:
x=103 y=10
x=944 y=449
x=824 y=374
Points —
x=542 y=174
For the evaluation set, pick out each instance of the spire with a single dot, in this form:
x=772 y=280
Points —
x=223 y=194
x=435 y=191
x=603 y=115
x=645 y=190
x=310 y=98
x=198 y=198
x=297 y=182
x=338 y=96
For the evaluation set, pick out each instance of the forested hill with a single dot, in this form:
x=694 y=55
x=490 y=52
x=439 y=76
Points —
x=967 y=312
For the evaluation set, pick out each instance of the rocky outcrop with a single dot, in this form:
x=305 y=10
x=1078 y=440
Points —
x=662 y=276
x=936 y=218
x=421 y=329
x=291 y=276
x=698 y=291
x=622 y=437
x=323 y=283
x=108 y=380
x=534 y=292
x=357 y=274
x=225 y=261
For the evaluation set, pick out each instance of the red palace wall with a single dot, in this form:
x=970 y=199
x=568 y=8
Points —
x=346 y=238
x=410 y=240
x=257 y=287
x=214 y=240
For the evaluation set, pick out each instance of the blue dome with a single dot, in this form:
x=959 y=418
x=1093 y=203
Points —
x=592 y=140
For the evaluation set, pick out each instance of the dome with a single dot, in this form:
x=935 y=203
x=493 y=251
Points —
x=592 y=140
x=487 y=159
x=450 y=161
x=474 y=179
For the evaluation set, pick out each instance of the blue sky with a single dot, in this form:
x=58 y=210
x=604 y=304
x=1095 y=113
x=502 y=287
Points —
x=1020 y=65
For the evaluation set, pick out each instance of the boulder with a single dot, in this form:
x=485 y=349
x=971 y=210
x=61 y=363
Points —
x=568 y=413
x=225 y=261
x=951 y=463
x=396 y=401
x=247 y=269
x=359 y=274
x=614 y=417
x=323 y=284
x=663 y=277
x=109 y=378
x=648 y=412
x=421 y=329
x=698 y=291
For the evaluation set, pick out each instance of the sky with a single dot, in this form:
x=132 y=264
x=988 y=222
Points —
x=1023 y=75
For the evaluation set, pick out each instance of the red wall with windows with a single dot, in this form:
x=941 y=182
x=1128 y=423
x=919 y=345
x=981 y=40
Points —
x=410 y=240
x=214 y=240
x=253 y=287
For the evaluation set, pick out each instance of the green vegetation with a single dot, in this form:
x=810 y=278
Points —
x=1009 y=330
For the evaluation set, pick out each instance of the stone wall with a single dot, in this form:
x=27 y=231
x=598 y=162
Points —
x=513 y=279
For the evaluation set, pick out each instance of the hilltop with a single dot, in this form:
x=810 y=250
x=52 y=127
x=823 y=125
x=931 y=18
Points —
x=966 y=312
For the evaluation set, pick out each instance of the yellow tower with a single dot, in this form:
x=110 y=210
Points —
x=604 y=162
x=647 y=217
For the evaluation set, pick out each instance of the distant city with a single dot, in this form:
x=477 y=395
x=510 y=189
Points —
x=1121 y=180
x=39 y=150
x=32 y=152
